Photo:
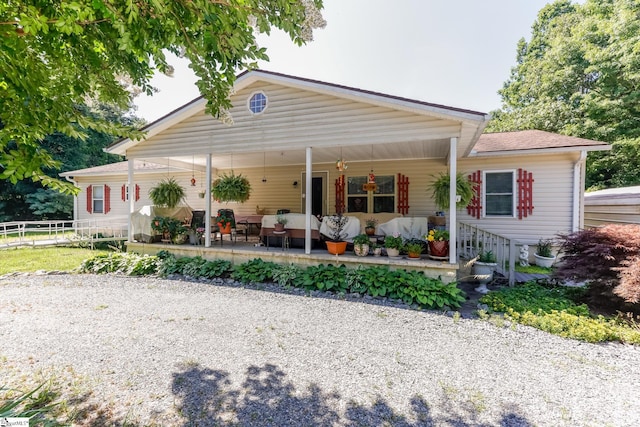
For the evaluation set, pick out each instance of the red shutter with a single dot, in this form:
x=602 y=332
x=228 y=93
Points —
x=123 y=192
x=525 y=193
x=340 y=194
x=90 y=199
x=474 y=208
x=403 y=194
x=137 y=192
x=107 y=199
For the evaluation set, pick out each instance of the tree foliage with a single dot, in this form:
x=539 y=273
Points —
x=28 y=200
x=579 y=76
x=56 y=55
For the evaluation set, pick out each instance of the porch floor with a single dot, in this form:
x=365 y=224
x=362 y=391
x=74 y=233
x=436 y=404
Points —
x=243 y=251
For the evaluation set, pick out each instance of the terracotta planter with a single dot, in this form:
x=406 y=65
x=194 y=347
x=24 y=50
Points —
x=439 y=248
x=226 y=229
x=413 y=255
x=336 y=248
x=278 y=227
x=361 y=249
x=370 y=231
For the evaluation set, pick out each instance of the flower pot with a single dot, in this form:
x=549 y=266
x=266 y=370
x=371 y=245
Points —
x=370 y=231
x=336 y=248
x=226 y=229
x=543 y=261
x=377 y=251
x=413 y=255
x=361 y=249
x=193 y=238
x=439 y=248
x=393 y=252
x=201 y=195
x=483 y=274
x=278 y=227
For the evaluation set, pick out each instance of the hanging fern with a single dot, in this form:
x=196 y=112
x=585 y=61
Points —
x=167 y=193
x=440 y=189
x=231 y=188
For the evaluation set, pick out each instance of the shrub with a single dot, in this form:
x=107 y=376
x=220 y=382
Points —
x=553 y=309
x=607 y=258
x=121 y=262
x=215 y=268
x=325 y=278
x=287 y=275
x=254 y=271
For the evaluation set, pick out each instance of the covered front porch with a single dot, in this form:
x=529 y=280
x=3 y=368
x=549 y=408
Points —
x=289 y=137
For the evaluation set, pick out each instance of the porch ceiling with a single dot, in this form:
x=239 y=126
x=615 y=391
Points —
x=432 y=149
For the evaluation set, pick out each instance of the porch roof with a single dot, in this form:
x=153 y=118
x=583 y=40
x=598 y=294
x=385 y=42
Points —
x=341 y=121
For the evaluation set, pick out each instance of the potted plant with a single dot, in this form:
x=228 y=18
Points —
x=224 y=223
x=361 y=245
x=440 y=190
x=370 y=226
x=438 y=241
x=336 y=245
x=168 y=193
x=281 y=221
x=169 y=228
x=376 y=249
x=414 y=249
x=231 y=188
x=544 y=257
x=482 y=270
x=394 y=245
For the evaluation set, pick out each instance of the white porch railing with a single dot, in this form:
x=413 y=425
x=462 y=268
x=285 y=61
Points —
x=59 y=232
x=472 y=240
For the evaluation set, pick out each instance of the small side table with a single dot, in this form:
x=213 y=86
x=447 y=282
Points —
x=282 y=234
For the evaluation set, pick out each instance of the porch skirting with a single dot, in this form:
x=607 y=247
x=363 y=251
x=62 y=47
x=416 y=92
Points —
x=240 y=254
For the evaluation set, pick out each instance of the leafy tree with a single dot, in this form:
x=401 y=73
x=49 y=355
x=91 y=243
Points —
x=27 y=200
x=54 y=55
x=578 y=76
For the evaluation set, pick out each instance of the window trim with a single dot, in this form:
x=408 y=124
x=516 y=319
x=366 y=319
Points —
x=249 y=102
x=371 y=195
x=514 y=193
x=94 y=198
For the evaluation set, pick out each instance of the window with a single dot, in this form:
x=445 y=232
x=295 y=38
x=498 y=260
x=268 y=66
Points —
x=97 y=202
x=380 y=200
x=257 y=102
x=499 y=194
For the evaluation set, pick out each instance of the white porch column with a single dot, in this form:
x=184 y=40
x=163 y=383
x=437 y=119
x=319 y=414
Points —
x=207 y=204
x=307 y=203
x=453 y=220
x=132 y=198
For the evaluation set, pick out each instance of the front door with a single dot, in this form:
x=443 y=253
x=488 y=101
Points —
x=317 y=195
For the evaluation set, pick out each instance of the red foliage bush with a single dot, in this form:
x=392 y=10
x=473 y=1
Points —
x=606 y=257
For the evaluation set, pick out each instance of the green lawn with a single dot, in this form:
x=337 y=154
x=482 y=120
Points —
x=50 y=258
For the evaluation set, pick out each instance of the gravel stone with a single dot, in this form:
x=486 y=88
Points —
x=149 y=351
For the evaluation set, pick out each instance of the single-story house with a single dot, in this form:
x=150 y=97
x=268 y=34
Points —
x=612 y=206
x=290 y=134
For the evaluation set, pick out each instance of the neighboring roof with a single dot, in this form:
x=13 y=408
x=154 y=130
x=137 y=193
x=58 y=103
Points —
x=534 y=140
x=119 y=168
x=248 y=77
x=614 y=193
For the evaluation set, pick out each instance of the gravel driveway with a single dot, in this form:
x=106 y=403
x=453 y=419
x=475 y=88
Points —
x=147 y=351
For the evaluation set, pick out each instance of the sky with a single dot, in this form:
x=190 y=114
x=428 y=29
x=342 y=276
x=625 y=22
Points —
x=457 y=53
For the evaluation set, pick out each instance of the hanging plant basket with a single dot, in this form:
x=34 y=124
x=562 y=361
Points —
x=167 y=193
x=440 y=190
x=231 y=188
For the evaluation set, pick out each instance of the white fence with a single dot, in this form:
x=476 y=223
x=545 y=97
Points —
x=60 y=232
x=473 y=240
